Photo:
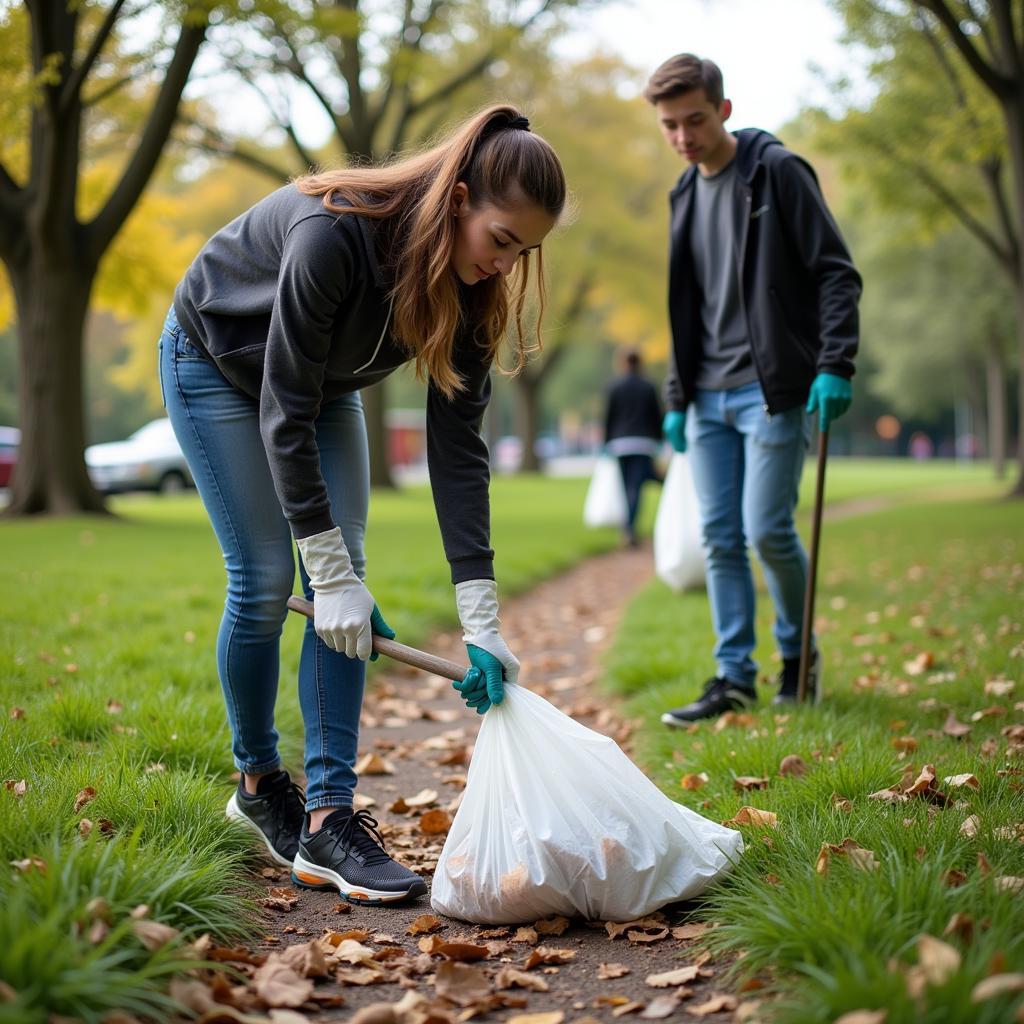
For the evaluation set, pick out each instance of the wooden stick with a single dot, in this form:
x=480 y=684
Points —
x=812 y=570
x=396 y=651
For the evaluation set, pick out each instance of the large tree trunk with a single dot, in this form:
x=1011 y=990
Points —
x=995 y=406
x=50 y=477
x=1013 y=113
x=374 y=402
x=527 y=417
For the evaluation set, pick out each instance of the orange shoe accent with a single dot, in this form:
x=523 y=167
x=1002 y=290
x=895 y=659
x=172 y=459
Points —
x=310 y=879
x=357 y=896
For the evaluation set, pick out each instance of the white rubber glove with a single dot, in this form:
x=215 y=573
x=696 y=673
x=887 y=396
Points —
x=477 y=601
x=342 y=605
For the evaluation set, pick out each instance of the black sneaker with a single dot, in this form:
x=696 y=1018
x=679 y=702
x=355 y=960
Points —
x=789 y=679
x=720 y=695
x=275 y=814
x=348 y=854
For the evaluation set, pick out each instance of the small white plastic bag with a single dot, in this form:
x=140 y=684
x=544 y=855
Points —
x=555 y=819
x=605 y=504
x=678 y=548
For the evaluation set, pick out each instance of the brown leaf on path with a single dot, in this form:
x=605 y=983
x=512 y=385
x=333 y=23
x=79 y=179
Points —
x=607 y=972
x=306 y=959
x=693 y=780
x=350 y=951
x=997 y=985
x=424 y=924
x=277 y=984
x=410 y=1009
x=793 y=765
x=550 y=1017
x=863 y=1017
x=960 y=925
x=958 y=730
x=511 y=977
x=970 y=826
x=548 y=955
x=755 y=817
x=653 y=922
x=689 y=931
x=373 y=764
x=360 y=976
x=629 y=1007
x=436 y=822
x=716 y=1004
x=463 y=984
x=937 y=959
x=464 y=952
x=642 y=937
x=680 y=976
x=663 y=1006
x=551 y=925
x=527 y=935
x=745 y=782
x=422 y=799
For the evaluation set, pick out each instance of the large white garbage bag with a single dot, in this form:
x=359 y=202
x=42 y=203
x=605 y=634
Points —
x=605 y=504
x=555 y=819
x=678 y=548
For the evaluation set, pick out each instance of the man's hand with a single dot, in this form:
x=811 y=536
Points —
x=342 y=606
x=674 y=428
x=380 y=628
x=831 y=396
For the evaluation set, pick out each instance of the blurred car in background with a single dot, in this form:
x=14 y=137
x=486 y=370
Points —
x=10 y=438
x=150 y=460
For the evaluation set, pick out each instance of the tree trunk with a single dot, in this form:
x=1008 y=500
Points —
x=51 y=303
x=374 y=403
x=527 y=416
x=995 y=406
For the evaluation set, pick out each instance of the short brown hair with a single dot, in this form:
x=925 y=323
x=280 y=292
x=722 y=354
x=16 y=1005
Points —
x=682 y=73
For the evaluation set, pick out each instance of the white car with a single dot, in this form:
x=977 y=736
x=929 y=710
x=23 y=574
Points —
x=150 y=460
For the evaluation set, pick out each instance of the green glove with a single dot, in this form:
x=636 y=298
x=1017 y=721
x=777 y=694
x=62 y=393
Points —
x=487 y=685
x=831 y=396
x=674 y=428
x=380 y=627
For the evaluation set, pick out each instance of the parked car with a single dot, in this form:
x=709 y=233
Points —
x=10 y=438
x=149 y=460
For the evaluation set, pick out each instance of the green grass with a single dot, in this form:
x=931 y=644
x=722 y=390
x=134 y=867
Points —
x=943 y=580
x=106 y=638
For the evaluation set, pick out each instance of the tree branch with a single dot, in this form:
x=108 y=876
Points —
x=213 y=142
x=992 y=172
x=101 y=231
x=75 y=81
x=1006 y=36
x=999 y=84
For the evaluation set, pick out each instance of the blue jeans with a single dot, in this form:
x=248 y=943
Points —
x=219 y=431
x=746 y=471
x=636 y=471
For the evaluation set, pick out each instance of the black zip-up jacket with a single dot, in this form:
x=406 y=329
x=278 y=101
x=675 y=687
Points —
x=291 y=304
x=798 y=285
x=633 y=409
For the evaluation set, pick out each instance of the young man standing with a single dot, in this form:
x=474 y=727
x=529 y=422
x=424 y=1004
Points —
x=763 y=304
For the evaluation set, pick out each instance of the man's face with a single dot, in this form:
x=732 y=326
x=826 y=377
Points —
x=693 y=126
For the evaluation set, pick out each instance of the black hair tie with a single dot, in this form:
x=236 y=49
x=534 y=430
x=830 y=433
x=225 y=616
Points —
x=520 y=122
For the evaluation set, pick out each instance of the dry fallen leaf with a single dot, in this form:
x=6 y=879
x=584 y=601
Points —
x=745 y=782
x=863 y=1017
x=550 y=1017
x=754 y=816
x=511 y=977
x=436 y=822
x=693 y=780
x=793 y=764
x=667 y=979
x=716 y=1004
x=606 y=972
x=277 y=984
x=548 y=955
x=551 y=925
x=937 y=959
x=463 y=984
x=424 y=924
x=374 y=764
x=951 y=727
x=961 y=780
x=689 y=931
x=663 y=1006
x=997 y=985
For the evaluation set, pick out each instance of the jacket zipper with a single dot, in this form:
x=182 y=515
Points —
x=380 y=340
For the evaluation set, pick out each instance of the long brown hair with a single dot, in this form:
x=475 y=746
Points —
x=501 y=164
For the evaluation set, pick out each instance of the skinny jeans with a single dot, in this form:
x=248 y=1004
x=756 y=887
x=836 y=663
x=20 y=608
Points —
x=218 y=429
x=746 y=471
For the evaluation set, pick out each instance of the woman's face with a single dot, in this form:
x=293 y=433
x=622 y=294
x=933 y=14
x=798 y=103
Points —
x=489 y=239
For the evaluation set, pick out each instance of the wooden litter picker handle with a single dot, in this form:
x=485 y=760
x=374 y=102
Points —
x=396 y=651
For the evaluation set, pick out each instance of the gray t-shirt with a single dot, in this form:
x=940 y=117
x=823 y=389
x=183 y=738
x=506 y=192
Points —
x=726 y=361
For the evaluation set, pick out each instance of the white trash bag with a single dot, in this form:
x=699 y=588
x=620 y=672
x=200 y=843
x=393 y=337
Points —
x=605 y=504
x=555 y=819
x=678 y=547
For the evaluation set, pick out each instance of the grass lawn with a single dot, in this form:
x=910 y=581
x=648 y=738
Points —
x=107 y=630
x=921 y=623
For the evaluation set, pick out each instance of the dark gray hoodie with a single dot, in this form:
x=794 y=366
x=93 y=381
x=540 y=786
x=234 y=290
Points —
x=290 y=302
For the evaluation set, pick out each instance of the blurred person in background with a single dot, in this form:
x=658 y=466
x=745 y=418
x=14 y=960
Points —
x=632 y=433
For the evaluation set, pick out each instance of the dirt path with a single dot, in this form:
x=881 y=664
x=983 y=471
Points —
x=417 y=726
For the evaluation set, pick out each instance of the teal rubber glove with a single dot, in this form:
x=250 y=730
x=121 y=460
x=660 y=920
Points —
x=380 y=627
x=673 y=426
x=831 y=396
x=487 y=686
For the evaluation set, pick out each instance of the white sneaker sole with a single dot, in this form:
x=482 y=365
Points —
x=313 y=876
x=235 y=813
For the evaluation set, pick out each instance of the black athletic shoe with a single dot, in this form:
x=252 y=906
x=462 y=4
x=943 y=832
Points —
x=789 y=679
x=720 y=695
x=275 y=814
x=348 y=854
